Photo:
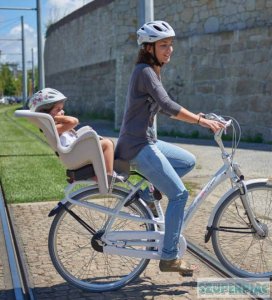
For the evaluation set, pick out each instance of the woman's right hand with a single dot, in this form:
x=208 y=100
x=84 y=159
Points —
x=211 y=124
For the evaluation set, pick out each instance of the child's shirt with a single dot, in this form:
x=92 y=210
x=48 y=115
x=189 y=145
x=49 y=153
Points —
x=67 y=138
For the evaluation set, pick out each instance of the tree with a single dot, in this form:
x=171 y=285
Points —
x=12 y=86
x=1 y=88
x=7 y=81
x=18 y=85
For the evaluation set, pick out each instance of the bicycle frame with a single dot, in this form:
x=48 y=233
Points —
x=224 y=173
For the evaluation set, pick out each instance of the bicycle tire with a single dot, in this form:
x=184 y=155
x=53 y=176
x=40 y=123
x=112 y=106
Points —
x=245 y=254
x=73 y=254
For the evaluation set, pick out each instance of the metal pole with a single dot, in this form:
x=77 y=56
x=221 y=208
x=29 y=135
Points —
x=146 y=11
x=40 y=47
x=24 y=77
x=9 y=243
x=17 y=8
x=146 y=14
x=33 y=71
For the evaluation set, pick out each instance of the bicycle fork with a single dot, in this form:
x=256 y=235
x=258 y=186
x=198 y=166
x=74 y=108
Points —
x=240 y=183
x=253 y=226
x=249 y=212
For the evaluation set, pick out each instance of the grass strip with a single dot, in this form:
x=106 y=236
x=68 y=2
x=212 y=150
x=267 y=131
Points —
x=29 y=169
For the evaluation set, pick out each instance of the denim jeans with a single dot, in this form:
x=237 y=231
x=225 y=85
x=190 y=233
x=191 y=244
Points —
x=163 y=164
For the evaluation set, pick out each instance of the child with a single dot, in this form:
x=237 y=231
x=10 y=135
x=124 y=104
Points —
x=52 y=101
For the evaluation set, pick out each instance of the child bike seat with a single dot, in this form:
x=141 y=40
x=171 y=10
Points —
x=85 y=150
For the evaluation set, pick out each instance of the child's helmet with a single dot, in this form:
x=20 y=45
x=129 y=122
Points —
x=154 y=31
x=45 y=99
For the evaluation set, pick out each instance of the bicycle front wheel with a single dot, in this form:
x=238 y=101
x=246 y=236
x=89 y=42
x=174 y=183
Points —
x=236 y=244
x=78 y=255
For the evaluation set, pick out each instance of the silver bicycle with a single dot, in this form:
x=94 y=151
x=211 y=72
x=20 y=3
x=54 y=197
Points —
x=102 y=242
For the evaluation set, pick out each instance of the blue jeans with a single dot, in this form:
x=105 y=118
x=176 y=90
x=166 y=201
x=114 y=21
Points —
x=163 y=164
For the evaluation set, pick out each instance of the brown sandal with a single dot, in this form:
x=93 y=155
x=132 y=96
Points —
x=177 y=265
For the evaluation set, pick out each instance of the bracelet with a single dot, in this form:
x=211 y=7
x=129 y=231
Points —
x=198 y=119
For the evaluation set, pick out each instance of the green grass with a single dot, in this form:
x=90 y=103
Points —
x=29 y=169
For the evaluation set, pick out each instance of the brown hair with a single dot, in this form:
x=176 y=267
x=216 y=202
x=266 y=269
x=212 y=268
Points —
x=145 y=57
x=48 y=107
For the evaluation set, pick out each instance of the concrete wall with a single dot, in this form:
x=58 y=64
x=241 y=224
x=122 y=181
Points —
x=221 y=62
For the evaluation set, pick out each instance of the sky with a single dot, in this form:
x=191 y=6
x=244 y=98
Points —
x=10 y=25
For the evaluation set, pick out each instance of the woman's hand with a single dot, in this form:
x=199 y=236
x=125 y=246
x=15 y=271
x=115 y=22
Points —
x=213 y=125
x=187 y=116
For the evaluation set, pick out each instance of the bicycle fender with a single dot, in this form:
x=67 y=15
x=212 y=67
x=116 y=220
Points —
x=226 y=195
x=146 y=207
x=57 y=208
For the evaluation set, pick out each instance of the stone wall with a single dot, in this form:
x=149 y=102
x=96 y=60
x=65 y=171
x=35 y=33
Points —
x=193 y=17
x=229 y=73
x=79 y=85
x=221 y=61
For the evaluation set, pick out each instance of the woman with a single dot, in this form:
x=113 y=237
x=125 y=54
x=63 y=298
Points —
x=161 y=163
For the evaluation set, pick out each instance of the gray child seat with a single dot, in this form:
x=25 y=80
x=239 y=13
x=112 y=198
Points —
x=84 y=151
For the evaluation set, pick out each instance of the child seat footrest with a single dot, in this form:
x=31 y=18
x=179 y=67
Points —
x=83 y=173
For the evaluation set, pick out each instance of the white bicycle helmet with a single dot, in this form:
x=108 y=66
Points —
x=154 y=31
x=45 y=99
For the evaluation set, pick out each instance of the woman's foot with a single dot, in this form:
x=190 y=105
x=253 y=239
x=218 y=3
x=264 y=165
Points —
x=177 y=265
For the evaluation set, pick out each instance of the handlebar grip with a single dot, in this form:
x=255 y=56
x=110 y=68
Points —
x=214 y=117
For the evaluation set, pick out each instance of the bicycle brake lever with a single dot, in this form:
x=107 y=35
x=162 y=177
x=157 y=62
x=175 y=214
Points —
x=227 y=124
x=214 y=117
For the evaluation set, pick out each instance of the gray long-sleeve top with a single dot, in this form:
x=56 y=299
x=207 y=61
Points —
x=146 y=96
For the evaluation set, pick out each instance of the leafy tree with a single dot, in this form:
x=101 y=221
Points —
x=18 y=85
x=1 y=87
x=7 y=81
x=10 y=85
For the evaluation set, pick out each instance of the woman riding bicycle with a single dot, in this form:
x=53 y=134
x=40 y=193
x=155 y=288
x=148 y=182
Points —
x=161 y=163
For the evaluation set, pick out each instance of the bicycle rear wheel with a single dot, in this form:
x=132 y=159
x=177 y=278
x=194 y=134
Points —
x=79 y=258
x=235 y=243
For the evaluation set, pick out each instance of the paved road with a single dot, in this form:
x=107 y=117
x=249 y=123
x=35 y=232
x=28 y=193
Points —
x=32 y=226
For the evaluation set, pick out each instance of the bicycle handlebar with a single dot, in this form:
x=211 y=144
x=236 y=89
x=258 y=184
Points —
x=231 y=122
x=213 y=116
x=218 y=134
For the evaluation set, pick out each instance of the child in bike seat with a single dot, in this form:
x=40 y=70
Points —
x=51 y=101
